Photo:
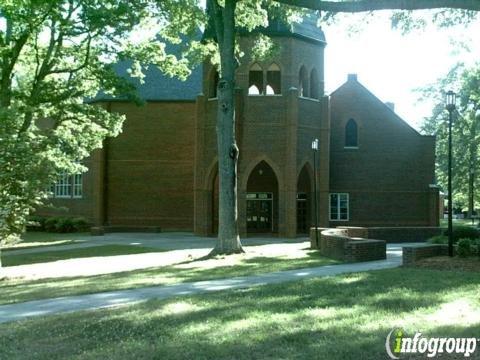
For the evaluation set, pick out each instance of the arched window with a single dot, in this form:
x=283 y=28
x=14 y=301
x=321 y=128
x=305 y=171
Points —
x=213 y=83
x=351 y=134
x=255 y=80
x=274 y=85
x=302 y=82
x=314 y=84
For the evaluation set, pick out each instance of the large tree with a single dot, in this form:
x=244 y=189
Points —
x=53 y=56
x=466 y=133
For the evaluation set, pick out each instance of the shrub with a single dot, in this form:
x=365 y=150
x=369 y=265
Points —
x=464 y=232
x=50 y=224
x=465 y=247
x=63 y=224
x=36 y=223
x=438 y=239
x=80 y=224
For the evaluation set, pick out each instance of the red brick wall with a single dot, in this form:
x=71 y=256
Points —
x=388 y=176
x=150 y=166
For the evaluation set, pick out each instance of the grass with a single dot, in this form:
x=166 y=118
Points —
x=35 y=239
x=342 y=317
x=459 y=222
x=10 y=259
x=18 y=290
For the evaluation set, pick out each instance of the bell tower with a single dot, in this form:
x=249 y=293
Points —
x=280 y=109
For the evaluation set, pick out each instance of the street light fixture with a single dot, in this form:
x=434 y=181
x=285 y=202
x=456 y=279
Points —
x=450 y=100
x=315 y=149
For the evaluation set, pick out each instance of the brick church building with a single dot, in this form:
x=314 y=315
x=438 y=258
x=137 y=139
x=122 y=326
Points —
x=372 y=168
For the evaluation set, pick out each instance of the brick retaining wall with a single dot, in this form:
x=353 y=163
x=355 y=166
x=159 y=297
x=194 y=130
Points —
x=411 y=254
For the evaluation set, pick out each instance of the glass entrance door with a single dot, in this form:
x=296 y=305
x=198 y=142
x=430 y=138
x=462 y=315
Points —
x=302 y=213
x=259 y=212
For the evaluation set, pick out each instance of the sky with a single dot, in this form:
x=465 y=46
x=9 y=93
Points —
x=393 y=65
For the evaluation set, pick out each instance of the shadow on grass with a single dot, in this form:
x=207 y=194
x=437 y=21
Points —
x=11 y=259
x=18 y=290
x=342 y=317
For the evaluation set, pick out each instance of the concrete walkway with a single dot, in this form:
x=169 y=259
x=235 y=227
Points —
x=162 y=241
x=30 y=309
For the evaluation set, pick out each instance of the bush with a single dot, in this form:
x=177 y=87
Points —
x=438 y=239
x=50 y=224
x=465 y=247
x=62 y=224
x=36 y=223
x=80 y=224
x=464 y=232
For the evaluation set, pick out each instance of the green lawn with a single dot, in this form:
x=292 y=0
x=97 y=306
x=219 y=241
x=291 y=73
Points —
x=17 y=290
x=36 y=239
x=342 y=317
x=11 y=259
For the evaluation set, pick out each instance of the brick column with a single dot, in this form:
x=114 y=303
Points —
x=98 y=188
x=323 y=175
x=201 y=195
x=433 y=206
x=288 y=194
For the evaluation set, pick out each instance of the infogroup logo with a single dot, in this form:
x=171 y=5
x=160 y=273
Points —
x=398 y=344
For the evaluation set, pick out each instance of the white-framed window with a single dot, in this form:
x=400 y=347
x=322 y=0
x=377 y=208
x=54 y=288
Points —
x=339 y=207
x=68 y=186
x=77 y=185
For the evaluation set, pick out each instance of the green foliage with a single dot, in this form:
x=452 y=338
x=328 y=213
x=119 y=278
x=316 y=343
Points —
x=464 y=232
x=465 y=132
x=439 y=239
x=64 y=224
x=465 y=247
x=53 y=56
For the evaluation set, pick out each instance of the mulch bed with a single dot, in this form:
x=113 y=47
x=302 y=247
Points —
x=451 y=264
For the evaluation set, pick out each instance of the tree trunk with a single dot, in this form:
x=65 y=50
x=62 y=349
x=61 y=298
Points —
x=228 y=237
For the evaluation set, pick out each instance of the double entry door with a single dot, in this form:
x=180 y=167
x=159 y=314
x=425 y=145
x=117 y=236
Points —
x=259 y=212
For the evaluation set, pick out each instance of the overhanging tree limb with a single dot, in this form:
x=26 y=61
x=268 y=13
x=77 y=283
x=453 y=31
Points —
x=372 y=5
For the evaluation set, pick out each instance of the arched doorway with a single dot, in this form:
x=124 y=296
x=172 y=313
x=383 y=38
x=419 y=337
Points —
x=262 y=200
x=304 y=200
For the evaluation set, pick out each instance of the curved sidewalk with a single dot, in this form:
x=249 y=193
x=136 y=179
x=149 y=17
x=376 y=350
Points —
x=30 y=309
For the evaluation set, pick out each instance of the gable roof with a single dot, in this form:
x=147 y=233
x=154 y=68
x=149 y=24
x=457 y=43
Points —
x=352 y=81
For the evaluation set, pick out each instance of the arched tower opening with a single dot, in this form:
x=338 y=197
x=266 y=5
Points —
x=255 y=80
x=303 y=82
x=314 y=84
x=274 y=80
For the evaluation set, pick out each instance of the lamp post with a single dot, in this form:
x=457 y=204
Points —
x=450 y=99
x=315 y=149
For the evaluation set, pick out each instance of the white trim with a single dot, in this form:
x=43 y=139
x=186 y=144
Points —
x=338 y=207
x=351 y=147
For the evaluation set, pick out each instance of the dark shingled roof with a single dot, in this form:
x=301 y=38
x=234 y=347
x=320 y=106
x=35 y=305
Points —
x=307 y=29
x=158 y=86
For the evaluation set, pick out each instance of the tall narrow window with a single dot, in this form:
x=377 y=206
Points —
x=214 y=79
x=302 y=82
x=255 y=80
x=339 y=207
x=314 y=84
x=351 y=134
x=274 y=85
